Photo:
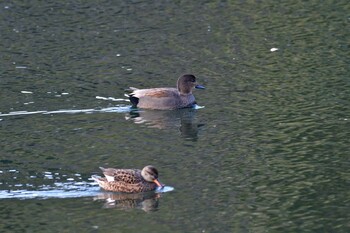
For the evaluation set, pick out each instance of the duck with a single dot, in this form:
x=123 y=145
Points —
x=129 y=180
x=166 y=98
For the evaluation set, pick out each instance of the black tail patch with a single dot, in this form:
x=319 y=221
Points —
x=134 y=100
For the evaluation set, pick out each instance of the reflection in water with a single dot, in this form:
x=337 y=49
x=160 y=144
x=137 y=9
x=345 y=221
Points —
x=125 y=201
x=182 y=119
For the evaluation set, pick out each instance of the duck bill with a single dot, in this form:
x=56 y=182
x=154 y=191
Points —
x=199 y=87
x=158 y=183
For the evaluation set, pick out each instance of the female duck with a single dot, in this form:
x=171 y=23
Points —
x=128 y=180
x=167 y=98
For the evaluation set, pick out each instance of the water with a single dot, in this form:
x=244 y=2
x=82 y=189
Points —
x=266 y=151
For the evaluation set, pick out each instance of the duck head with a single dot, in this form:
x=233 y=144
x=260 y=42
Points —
x=150 y=174
x=186 y=83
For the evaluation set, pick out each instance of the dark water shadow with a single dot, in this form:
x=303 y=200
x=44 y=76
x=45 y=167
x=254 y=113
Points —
x=182 y=120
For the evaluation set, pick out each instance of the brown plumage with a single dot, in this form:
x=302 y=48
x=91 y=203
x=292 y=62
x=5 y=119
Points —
x=128 y=180
x=167 y=98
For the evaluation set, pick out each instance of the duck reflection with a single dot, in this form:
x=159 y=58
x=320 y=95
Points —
x=147 y=202
x=183 y=120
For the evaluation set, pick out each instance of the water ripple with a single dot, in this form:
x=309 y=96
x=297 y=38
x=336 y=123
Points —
x=118 y=109
x=63 y=190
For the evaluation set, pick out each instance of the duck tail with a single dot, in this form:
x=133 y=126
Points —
x=134 y=101
x=96 y=178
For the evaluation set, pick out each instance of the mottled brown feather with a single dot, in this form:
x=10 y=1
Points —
x=125 y=180
x=131 y=176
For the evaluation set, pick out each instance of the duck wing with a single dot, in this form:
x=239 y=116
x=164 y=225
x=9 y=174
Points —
x=155 y=92
x=130 y=176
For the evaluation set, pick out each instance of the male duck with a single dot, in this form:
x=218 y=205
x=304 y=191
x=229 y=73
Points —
x=167 y=98
x=128 y=180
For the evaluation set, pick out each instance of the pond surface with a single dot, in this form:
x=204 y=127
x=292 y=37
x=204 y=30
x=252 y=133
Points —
x=266 y=150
